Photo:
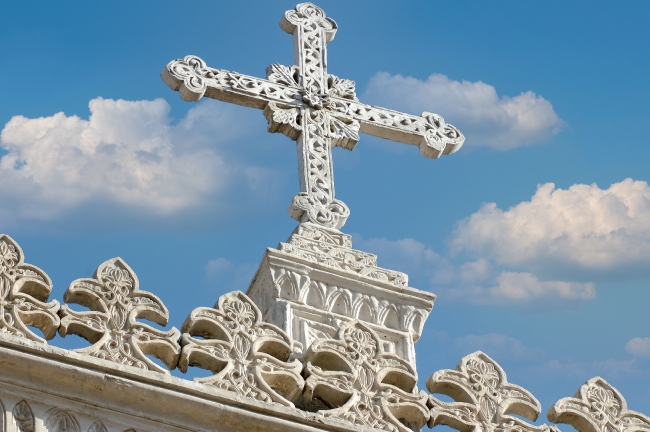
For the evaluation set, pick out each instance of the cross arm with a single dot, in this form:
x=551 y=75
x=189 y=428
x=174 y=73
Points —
x=428 y=131
x=193 y=79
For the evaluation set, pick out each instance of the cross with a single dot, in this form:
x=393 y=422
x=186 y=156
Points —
x=316 y=109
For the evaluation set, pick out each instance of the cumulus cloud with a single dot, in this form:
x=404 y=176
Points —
x=127 y=155
x=500 y=122
x=583 y=228
x=639 y=347
x=477 y=282
x=498 y=346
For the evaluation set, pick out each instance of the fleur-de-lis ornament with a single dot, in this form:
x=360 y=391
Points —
x=597 y=406
x=361 y=383
x=116 y=302
x=24 y=290
x=247 y=356
x=483 y=399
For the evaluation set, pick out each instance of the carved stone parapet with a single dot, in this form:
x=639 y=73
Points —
x=24 y=290
x=483 y=399
x=247 y=356
x=359 y=382
x=315 y=282
x=116 y=302
x=597 y=406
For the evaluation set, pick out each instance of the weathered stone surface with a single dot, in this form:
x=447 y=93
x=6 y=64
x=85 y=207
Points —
x=24 y=290
x=315 y=282
x=116 y=302
x=247 y=356
x=483 y=399
x=313 y=107
x=598 y=407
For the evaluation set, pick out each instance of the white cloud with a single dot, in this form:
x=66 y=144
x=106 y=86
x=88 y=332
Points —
x=474 y=107
x=476 y=282
x=127 y=155
x=639 y=347
x=584 y=228
x=498 y=346
x=525 y=288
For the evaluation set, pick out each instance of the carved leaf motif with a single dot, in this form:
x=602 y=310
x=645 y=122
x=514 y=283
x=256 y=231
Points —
x=111 y=326
x=482 y=394
x=341 y=87
x=362 y=383
x=61 y=421
x=24 y=417
x=97 y=426
x=24 y=290
x=285 y=120
x=246 y=355
x=343 y=134
x=597 y=406
x=281 y=74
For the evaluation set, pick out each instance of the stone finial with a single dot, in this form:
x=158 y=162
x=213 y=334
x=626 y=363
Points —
x=483 y=398
x=116 y=302
x=247 y=356
x=24 y=290
x=598 y=407
x=360 y=383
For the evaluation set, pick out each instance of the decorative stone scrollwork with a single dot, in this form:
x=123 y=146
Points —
x=116 y=302
x=24 y=290
x=483 y=399
x=360 y=383
x=598 y=407
x=97 y=426
x=247 y=356
x=315 y=244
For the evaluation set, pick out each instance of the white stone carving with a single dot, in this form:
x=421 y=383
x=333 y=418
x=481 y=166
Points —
x=317 y=109
x=360 y=383
x=111 y=326
x=247 y=356
x=315 y=282
x=58 y=420
x=24 y=290
x=24 y=417
x=483 y=399
x=597 y=406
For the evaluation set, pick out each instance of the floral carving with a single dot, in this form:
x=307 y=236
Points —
x=57 y=420
x=247 y=356
x=24 y=290
x=360 y=383
x=116 y=302
x=483 y=398
x=598 y=407
x=24 y=417
x=317 y=109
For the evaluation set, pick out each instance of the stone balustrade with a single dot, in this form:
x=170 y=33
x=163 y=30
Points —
x=346 y=381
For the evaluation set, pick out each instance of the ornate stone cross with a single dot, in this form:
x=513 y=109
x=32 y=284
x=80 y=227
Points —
x=317 y=109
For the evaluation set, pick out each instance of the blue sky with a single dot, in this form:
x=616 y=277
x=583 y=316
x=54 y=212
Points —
x=535 y=236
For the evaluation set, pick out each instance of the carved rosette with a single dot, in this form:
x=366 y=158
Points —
x=246 y=355
x=24 y=290
x=597 y=406
x=483 y=398
x=360 y=383
x=116 y=302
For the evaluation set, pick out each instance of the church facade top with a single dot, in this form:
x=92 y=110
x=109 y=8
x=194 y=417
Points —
x=322 y=341
x=316 y=109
